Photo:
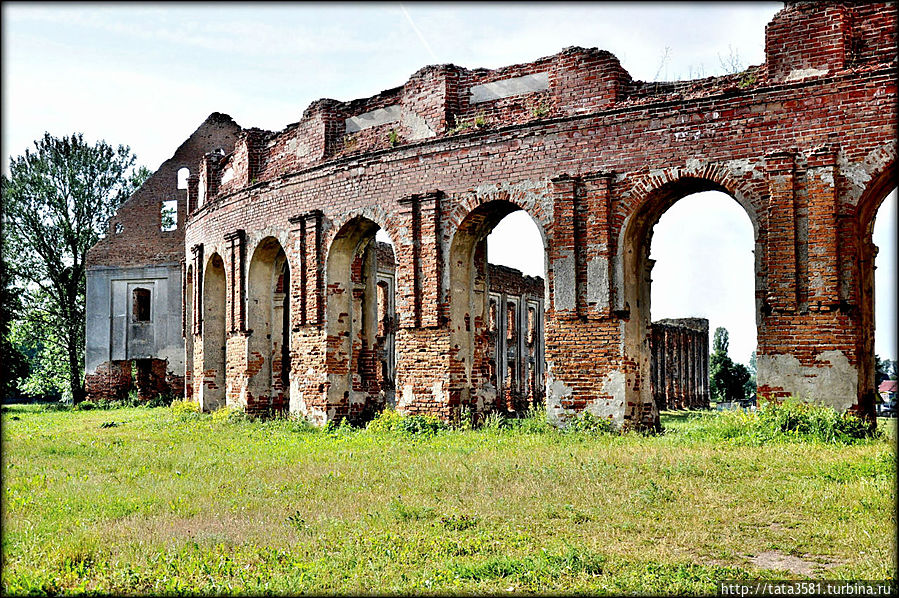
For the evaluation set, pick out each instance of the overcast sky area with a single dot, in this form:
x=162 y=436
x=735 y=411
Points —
x=146 y=75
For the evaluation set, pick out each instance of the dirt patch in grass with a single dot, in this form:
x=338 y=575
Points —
x=773 y=559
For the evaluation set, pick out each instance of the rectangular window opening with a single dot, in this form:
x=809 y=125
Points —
x=168 y=216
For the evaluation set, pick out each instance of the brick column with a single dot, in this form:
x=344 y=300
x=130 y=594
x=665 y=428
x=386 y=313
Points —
x=237 y=246
x=780 y=246
x=197 y=251
x=311 y=277
x=823 y=248
x=193 y=182
x=419 y=287
x=563 y=253
x=598 y=244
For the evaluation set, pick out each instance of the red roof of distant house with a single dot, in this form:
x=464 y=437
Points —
x=888 y=386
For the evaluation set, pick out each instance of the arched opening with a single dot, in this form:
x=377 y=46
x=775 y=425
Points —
x=702 y=281
x=268 y=322
x=360 y=321
x=183 y=175
x=497 y=311
x=877 y=291
x=212 y=391
x=885 y=300
x=695 y=237
x=188 y=333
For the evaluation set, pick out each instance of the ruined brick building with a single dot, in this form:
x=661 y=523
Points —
x=279 y=284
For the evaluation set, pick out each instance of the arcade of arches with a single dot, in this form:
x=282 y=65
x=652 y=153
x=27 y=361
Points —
x=295 y=305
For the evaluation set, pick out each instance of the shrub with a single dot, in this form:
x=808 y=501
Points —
x=534 y=422
x=813 y=422
x=392 y=422
x=185 y=409
x=790 y=420
x=494 y=422
x=386 y=421
x=85 y=406
x=591 y=424
x=229 y=413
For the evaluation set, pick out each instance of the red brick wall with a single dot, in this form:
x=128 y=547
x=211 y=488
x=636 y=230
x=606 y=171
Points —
x=141 y=241
x=595 y=172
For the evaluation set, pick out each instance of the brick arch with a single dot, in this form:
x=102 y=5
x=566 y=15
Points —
x=883 y=180
x=385 y=220
x=861 y=292
x=655 y=194
x=268 y=341
x=468 y=297
x=531 y=199
x=212 y=387
x=354 y=389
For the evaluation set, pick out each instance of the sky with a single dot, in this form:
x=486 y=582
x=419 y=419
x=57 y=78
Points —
x=147 y=74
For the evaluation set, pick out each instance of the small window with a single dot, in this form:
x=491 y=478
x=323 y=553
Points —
x=119 y=228
x=141 y=305
x=183 y=175
x=168 y=215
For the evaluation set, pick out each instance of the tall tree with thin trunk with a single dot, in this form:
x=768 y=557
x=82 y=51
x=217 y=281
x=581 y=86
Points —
x=57 y=201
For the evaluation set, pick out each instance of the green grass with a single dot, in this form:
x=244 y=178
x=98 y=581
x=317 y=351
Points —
x=169 y=501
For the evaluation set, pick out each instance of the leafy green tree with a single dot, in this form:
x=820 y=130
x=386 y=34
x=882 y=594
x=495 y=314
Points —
x=727 y=379
x=57 y=201
x=750 y=388
x=15 y=365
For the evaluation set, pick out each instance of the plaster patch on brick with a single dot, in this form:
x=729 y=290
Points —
x=417 y=125
x=556 y=391
x=682 y=136
x=834 y=382
x=381 y=116
x=228 y=175
x=509 y=87
x=826 y=176
x=563 y=275
x=439 y=396
x=485 y=395
x=598 y=282
x=799 y=74
x=297 y=401
x=859 y=174
x=694 y=165
x=739 y=168
x=357 y=398
x=406 y=398
x=613 y=385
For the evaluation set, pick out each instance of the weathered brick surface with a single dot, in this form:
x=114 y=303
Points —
x=805 y=143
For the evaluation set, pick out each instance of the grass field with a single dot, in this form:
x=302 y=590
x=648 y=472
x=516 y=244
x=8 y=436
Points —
x=155 y=501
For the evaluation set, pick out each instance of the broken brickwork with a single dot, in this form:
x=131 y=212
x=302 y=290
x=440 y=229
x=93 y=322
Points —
x=805 y=143
x=135 y=281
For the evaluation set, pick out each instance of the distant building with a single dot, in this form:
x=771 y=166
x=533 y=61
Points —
x=887 y=389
